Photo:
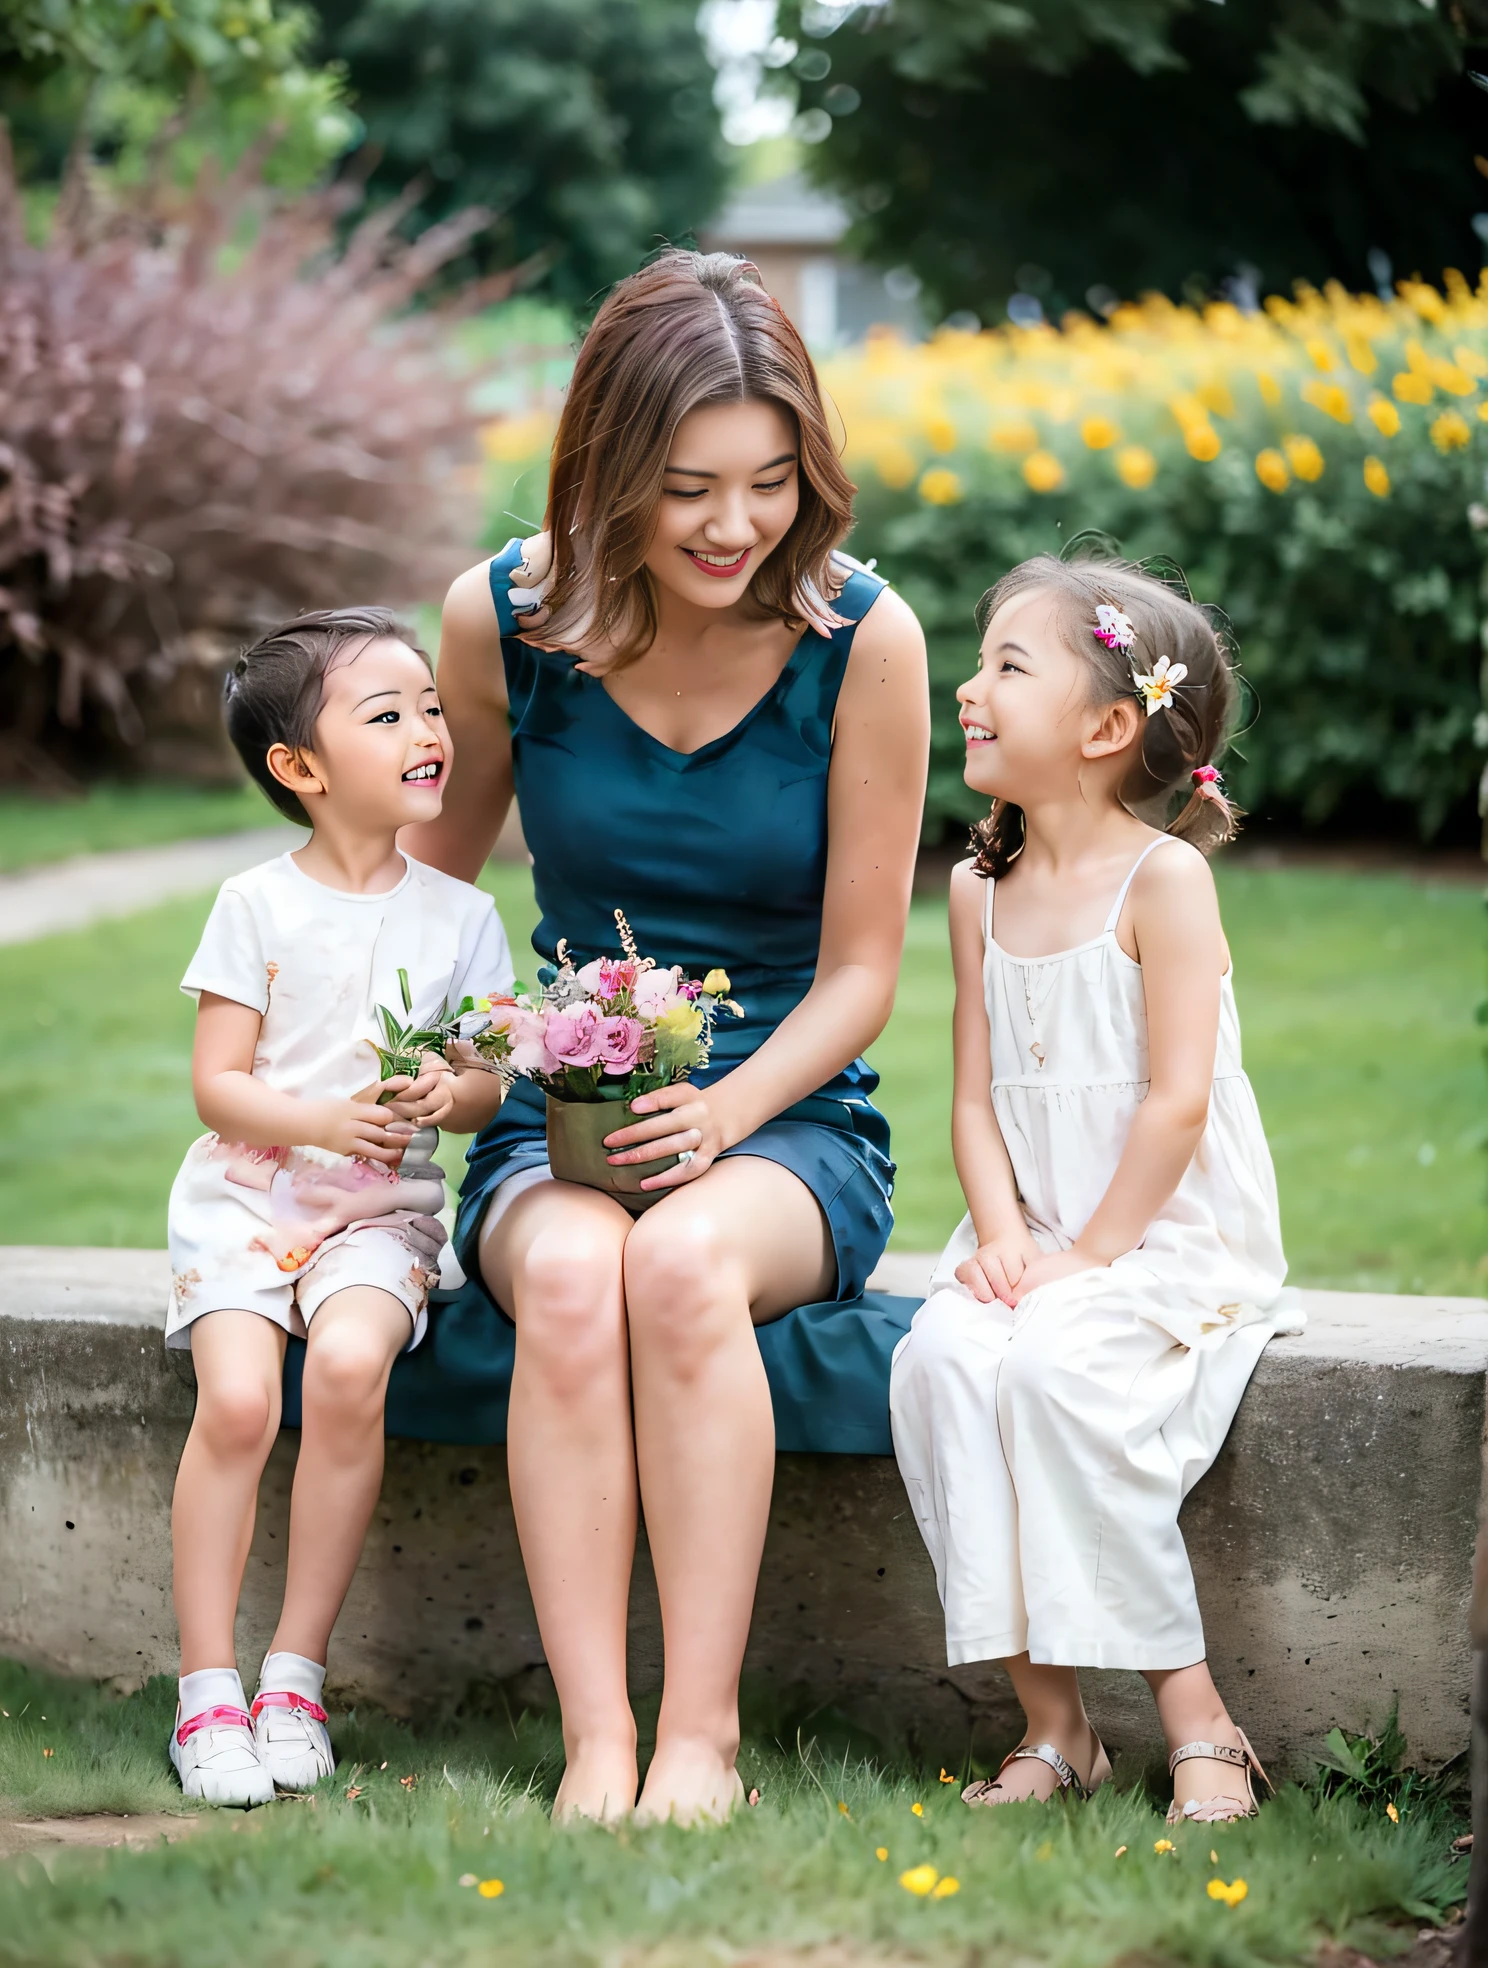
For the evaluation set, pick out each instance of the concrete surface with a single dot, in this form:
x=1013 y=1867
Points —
x=63 y=895
x=1331 y=1542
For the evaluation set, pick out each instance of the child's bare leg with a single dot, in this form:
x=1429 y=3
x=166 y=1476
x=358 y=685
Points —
x=1055 y=1711
x=354 y=1338
x=239 y=1360
x=1190 y=1709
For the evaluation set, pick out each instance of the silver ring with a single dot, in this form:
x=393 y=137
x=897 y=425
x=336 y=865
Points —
x=685 y=1154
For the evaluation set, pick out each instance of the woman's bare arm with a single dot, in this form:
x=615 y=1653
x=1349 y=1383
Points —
x=876 y=793
x=472 y=692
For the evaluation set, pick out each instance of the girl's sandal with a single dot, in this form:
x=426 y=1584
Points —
x=1218 y=1810
x=985 y=1790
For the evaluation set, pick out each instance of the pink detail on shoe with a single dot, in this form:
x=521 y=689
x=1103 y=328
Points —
x=288 y=1699
x=214 y=1718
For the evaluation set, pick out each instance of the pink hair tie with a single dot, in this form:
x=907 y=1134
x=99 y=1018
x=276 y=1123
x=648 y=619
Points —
x=1206 y=782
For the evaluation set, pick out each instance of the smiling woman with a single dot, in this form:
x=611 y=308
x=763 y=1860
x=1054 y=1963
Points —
x=717 y=723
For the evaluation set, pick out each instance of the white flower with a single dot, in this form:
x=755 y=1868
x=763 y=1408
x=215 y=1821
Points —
x=1115 y=630
x=1158 y=688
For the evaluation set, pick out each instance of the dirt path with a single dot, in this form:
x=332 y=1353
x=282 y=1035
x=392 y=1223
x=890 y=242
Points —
x=44 y=1835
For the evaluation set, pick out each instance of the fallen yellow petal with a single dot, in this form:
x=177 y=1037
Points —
x=843 y=1808
x=945 y=1889
x=918 y=1809
x=946 y=1779
x=1214 y=1858
x=1232 y=1894
x=1121 y=1851
x=919 y=1880
x=882 y=1853
x=490 y=1889
x=1163 y=1845
x=1392 y=1814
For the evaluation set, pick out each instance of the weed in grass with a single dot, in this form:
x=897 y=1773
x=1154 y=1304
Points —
x=370 y=1869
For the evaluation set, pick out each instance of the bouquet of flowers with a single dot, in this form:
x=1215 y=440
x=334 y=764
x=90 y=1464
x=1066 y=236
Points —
x=595 y=1038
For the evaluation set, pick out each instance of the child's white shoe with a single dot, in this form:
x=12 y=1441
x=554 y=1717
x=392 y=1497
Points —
x=217 y=1759
x=294 y=1743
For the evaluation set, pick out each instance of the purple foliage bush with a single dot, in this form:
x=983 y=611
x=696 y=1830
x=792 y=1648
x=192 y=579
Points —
x=209 y=419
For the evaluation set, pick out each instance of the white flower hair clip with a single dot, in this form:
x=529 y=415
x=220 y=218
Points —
x=1115 y=630
x=1157 y=689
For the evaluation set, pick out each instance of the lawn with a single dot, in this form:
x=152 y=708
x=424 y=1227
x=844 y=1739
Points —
x=374 y=1868
x=1357 y=994
x=36 y=829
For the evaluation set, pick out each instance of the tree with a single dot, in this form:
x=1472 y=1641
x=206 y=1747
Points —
x=1060 y=146
x=124 y=75
x=588 y=126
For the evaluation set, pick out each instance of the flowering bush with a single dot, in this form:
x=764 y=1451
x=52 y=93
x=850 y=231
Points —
x=1314 y=467
x=613 y=1030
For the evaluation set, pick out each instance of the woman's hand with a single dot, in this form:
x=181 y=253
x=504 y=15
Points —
x=681 y=1123
x=997 y=1267
x=1048 y=1266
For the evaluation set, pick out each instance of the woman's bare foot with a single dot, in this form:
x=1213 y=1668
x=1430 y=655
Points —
x=599 y=1782
x=1031 y=1780
x=690 y=1782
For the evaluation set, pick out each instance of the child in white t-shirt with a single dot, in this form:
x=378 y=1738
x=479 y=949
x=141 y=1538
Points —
x=290 y=1216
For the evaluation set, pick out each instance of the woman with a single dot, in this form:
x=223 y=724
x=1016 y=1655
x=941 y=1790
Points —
x=718 y=725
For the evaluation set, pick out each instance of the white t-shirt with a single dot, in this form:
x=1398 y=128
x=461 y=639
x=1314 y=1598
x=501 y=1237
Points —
x=317 y=963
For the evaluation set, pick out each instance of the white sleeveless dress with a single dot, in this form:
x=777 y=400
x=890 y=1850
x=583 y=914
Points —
x=1046 y=1450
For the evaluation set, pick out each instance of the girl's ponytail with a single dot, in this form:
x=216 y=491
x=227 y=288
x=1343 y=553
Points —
x=1211 y=818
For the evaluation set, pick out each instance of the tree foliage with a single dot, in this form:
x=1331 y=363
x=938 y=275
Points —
x=120 y=75
x=588 y=126
x=1060 y=145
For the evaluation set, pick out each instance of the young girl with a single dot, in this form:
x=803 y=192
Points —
x=289 y=1216
x=1094 y=1320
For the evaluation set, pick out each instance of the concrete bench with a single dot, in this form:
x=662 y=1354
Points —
x=1331 y=1542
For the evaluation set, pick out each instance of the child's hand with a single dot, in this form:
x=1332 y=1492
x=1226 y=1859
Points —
x=357 y=1127
x=997 y=1267
x=426 y=1101
x=1048 y=1266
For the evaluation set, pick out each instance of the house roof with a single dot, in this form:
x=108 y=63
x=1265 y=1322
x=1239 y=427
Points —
x=787 y=212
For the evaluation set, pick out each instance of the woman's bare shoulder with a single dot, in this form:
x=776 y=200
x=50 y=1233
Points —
x=890 y=631
x=468 y=607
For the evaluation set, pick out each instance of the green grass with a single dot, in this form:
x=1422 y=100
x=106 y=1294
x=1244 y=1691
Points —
x=1356 y=992
x=375 y=1879
x=36 y=829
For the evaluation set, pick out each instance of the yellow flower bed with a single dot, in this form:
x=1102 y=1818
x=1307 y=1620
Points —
x=1158 y=384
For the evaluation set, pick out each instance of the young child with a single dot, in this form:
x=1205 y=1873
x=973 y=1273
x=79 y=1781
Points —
x=1093 y=1322
x=289 y=1216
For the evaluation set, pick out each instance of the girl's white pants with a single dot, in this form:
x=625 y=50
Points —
x=1046 y=1452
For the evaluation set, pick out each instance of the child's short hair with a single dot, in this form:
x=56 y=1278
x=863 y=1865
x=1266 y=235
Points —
x=1182 y=742
x=274 y=691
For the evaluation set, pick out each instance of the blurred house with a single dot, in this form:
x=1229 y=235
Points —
x=793 y=233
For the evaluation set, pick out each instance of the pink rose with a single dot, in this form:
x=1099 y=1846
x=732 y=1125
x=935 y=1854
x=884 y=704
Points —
x=656 y=989
x=620 y=1043
x=572 y=1035
x=524 y=1033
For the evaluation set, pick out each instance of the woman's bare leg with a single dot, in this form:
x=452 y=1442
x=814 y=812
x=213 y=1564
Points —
x=355 y=1337
x=554 y=1259
x=239 y=1359
x=745 y=1242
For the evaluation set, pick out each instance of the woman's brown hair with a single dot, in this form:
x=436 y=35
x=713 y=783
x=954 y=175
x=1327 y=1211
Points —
x=1181 y=743
x=687 y=330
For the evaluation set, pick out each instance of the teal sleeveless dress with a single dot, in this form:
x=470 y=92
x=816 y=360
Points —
x=717 y=857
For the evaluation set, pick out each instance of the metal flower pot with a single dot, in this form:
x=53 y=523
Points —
x=576 y=1150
